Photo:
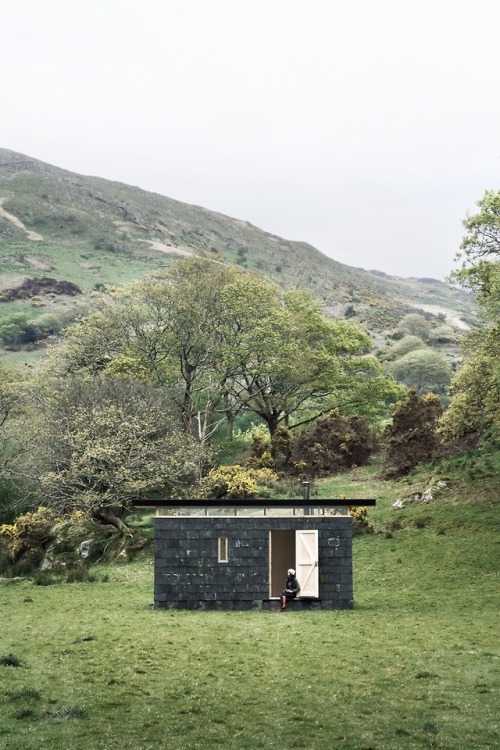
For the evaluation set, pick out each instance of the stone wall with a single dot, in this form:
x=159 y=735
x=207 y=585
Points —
x=189 y=576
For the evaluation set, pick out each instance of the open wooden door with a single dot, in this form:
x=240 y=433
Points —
x=306 y=562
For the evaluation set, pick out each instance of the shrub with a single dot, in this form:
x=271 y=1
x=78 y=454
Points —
x=407 y=344
x=261 y=442
x=412 y=437
x=280 y=447
x=414 y=324
x=334 y=444
x=79 y=574
x=44 y=578
x=360 y=522
x=24 y=542
x=233 y=482
x=29 y=535
x=262 y=451
x=264 y=461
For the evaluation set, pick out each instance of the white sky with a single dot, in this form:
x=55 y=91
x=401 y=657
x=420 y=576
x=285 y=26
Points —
x=367 y=128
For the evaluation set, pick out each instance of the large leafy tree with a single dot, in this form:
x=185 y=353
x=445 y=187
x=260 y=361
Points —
x=223 y=340
x=297 y=364
x=10 y=403
x=423 y=369
x=98 y=443
x=475 y=407
x=167 y=329
x=12 y=400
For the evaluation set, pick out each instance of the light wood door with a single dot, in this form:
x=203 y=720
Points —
x=307 y=571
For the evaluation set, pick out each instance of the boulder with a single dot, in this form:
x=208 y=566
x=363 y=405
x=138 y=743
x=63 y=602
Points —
x=89 y=548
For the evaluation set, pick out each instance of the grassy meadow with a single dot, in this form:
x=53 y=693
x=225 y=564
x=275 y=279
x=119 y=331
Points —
x=414 y=665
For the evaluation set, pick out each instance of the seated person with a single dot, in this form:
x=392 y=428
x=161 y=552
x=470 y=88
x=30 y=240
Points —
x=291 y=589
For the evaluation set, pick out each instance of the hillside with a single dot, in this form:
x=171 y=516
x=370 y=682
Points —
x=88 y=231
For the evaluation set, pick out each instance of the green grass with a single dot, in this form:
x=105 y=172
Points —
x=18 y=360
x=414 y=665
x=69 y=264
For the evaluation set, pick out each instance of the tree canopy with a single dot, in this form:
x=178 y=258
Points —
x=475 y=407
x=415 y=324
x=11 y=405
x=224 y=340
x=99 y=442
x=423 y=369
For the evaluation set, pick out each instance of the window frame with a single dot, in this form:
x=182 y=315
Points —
x=222 y=549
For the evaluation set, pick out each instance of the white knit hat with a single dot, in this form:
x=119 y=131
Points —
x=291 y=571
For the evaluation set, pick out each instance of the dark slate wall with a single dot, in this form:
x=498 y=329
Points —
x=189 y=576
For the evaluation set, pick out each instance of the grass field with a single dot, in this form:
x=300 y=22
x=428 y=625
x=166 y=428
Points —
x=414 y=665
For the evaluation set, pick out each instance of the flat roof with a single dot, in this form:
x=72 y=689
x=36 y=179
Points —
x=254 y=502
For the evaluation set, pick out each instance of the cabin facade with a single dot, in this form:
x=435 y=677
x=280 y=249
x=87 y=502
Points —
x=235 y=554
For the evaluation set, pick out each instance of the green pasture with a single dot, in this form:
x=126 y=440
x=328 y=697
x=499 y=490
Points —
x=415 y=665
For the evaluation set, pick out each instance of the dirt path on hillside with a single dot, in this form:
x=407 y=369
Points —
x=163 y=248
x=34 y=236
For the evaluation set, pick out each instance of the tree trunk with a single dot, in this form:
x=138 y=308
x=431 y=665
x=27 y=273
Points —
x=272 y=421
x=110 y=518
x=230 y=425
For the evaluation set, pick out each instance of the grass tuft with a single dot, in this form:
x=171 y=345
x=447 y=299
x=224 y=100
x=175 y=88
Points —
x=25 y=693
x=67 y=712
x=25 y=713
x=10 y=660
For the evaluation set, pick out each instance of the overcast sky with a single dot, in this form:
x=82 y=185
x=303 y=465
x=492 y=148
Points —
x=368 y=129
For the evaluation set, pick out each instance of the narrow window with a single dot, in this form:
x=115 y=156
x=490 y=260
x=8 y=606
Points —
x=223 y=549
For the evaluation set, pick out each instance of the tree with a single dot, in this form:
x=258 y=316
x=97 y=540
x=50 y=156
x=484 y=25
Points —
x=165 y=329
x=475 y=405
x=422 y=369
x=412 y=436
x=480 y=269
x=11 y=447
x=13 y=329
x=293 y=364
x=414 y=324
x=98 y=443
x=405 y=345
x=482 y=240
x=225 y=340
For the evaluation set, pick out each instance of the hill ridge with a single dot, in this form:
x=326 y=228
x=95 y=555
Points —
x=91 y=231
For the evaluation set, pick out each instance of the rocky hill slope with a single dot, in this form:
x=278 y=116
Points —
x=86 y=231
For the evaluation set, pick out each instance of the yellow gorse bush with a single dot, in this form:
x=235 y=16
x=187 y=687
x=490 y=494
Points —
x=228 y=481
x=30 y=532
x=234 y=481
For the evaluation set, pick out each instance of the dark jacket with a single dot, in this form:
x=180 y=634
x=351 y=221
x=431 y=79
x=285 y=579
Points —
x=292 y=584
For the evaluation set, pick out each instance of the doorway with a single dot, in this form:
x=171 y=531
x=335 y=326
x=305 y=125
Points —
x=296 y=549
x=281 y=557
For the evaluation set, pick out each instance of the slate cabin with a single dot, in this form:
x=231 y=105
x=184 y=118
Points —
x=227 y=554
